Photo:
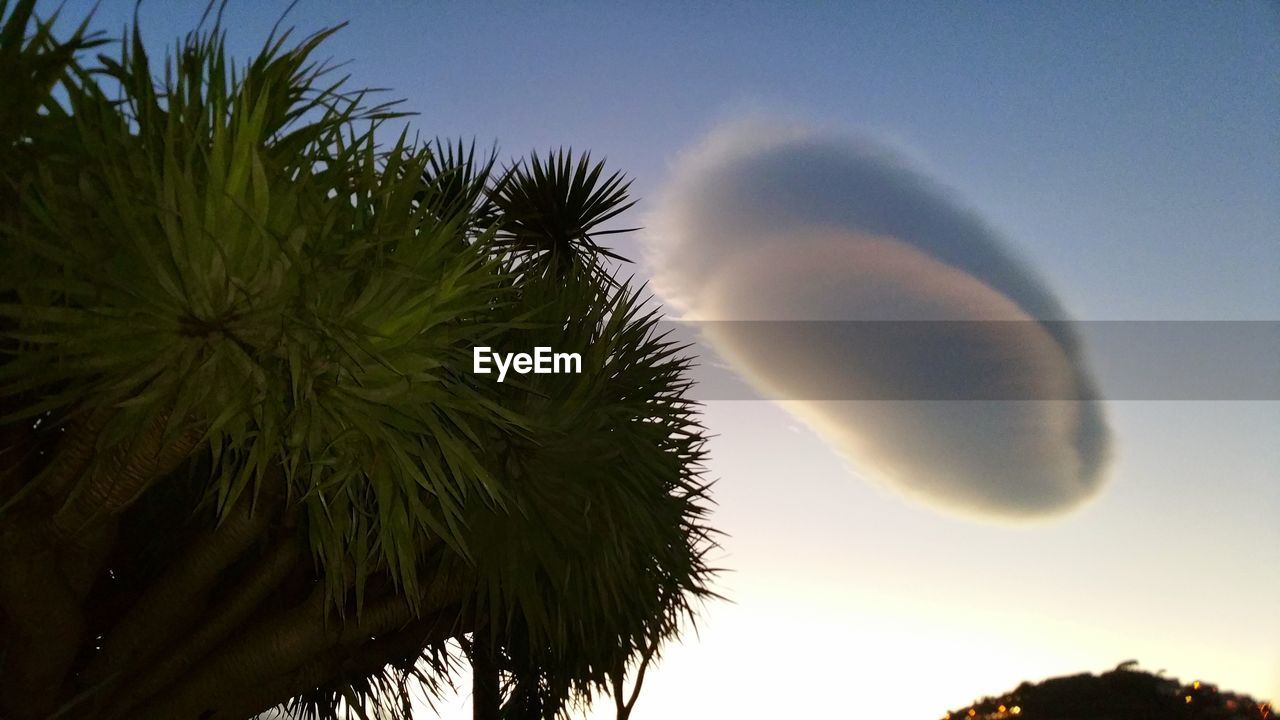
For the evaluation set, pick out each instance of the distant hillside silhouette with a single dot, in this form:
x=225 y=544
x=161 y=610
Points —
x=1125 y=693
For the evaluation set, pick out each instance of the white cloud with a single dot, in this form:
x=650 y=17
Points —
x=775 y=224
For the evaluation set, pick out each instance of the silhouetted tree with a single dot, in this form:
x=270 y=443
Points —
x=243 y=460
x=1124 y=693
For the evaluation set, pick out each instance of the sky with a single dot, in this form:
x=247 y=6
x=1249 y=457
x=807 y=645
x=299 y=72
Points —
x=1122 y=163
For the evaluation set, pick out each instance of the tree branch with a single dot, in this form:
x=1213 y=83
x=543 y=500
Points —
x=624 y=710
x=116 y=481
x=221 y=623
x=42 y=604
x=75 y=452
x=175 y=601
x=279 y=645
x=346 y=661
x=45 y=621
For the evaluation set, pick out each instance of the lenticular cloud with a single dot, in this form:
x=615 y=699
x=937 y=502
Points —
x=761 y=223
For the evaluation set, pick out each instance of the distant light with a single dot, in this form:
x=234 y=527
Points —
x=1016 y=710
x=1195 y=685
x=1188 y=699
x=1000 y=709
x=972 y=712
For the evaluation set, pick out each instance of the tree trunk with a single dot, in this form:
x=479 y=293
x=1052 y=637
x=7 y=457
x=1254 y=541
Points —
x=486 y=690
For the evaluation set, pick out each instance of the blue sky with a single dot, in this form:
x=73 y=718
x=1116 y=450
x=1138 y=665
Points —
x=1129 y=152
x=1112 y=141
x=1081 y=129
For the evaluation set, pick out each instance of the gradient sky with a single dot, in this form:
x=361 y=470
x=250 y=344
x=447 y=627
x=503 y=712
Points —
x=1129 y=152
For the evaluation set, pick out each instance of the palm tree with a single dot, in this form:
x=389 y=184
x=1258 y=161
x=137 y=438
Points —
x=244 y=464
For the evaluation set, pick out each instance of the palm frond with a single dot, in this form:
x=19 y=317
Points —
x=552 y=211
x=456 y=184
